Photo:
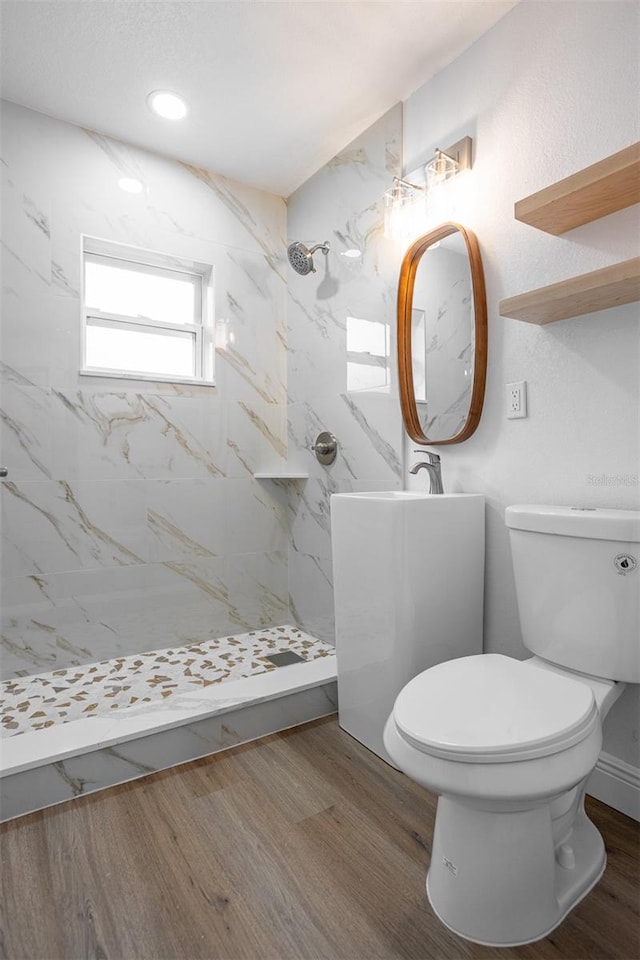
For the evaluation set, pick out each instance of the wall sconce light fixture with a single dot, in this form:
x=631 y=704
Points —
x=405 y=203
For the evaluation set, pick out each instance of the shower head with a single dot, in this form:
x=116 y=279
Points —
x=301 y=257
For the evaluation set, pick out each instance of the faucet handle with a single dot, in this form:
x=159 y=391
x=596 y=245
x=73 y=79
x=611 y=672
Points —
x=432 y=458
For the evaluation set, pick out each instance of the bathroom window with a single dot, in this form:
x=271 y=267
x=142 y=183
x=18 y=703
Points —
x=146 y=315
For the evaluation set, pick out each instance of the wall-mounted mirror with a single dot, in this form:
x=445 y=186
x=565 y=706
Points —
x=442 y=336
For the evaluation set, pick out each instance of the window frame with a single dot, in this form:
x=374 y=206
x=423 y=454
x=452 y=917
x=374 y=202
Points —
x=161 y=264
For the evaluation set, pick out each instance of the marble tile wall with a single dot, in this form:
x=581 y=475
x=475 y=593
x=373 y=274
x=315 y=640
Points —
x=342 y=203
x=130 y=517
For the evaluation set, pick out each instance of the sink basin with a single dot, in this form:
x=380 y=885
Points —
x=408 y=571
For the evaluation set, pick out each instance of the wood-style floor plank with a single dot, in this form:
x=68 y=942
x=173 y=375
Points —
x=302 y=846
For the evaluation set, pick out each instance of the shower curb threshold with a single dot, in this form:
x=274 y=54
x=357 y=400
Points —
x=79 y=757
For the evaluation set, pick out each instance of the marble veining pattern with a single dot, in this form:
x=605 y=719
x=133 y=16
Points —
x=340 y=203
x=130 y=517
x=96 y=689
x=86 y=772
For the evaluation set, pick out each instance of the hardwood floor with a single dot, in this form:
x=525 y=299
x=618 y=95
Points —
x=302 y=845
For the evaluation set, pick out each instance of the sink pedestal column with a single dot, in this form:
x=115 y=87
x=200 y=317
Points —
x=408 y=573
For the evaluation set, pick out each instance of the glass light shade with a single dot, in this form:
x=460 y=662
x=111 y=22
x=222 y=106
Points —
x=403 y=211
x=439 y=169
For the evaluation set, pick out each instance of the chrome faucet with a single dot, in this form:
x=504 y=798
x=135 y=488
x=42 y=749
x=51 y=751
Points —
x=432 y=466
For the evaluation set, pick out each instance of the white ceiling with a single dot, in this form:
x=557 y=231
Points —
x=275 y=87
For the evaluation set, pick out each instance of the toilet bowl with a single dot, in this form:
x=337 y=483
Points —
x=508 y=745
x=513 y=851
x=476 y=725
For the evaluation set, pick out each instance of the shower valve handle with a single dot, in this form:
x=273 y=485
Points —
x=325 y=447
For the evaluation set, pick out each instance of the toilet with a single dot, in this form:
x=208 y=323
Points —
x=508 y=745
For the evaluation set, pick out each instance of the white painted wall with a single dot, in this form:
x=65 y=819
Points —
x=550 y=89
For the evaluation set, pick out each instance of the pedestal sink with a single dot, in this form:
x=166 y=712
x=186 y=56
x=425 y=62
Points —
x=408 y=571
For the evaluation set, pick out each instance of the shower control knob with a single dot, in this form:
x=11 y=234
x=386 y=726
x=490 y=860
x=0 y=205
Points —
x=325 y=447
x=4 y=472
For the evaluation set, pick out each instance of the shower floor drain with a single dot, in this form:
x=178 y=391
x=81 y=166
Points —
x=284 y=659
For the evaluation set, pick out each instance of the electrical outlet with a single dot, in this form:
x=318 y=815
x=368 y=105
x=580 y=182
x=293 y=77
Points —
x=516 y=400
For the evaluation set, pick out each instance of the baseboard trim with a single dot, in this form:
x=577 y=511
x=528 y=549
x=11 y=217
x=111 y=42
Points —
x=617 y=784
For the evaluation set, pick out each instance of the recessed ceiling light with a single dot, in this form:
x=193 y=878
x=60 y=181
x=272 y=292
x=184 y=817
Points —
x=167 y=105
x=130 y=185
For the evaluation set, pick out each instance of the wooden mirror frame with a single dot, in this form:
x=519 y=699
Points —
x=406 y=284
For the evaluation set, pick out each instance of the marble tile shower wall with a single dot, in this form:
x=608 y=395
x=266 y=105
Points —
x=342 y=203
x=130 y=517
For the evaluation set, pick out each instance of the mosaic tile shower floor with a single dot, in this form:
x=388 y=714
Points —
x=96 y=689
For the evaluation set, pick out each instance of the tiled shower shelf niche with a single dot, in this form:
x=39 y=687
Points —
x=78 y=730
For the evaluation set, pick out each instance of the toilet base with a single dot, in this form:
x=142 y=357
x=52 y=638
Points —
x=495 y=877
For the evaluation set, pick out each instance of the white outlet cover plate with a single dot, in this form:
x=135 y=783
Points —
x=516 y=400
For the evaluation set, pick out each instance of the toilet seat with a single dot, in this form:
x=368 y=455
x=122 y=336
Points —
x=494 y=709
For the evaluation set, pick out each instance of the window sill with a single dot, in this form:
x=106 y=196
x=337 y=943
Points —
x=147 y=377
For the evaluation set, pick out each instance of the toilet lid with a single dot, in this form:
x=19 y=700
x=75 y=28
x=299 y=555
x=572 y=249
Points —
x=491 y=708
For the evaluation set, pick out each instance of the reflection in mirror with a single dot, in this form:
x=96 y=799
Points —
x=419 y=354
x=442 y=336
x=368 y=355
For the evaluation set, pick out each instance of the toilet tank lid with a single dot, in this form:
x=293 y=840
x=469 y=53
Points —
x=591 y=522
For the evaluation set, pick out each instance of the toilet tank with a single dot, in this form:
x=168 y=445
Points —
x=577 y=574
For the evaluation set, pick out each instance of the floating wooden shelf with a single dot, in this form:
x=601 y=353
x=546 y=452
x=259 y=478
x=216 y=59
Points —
x=609 y=287
x=609 y=185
